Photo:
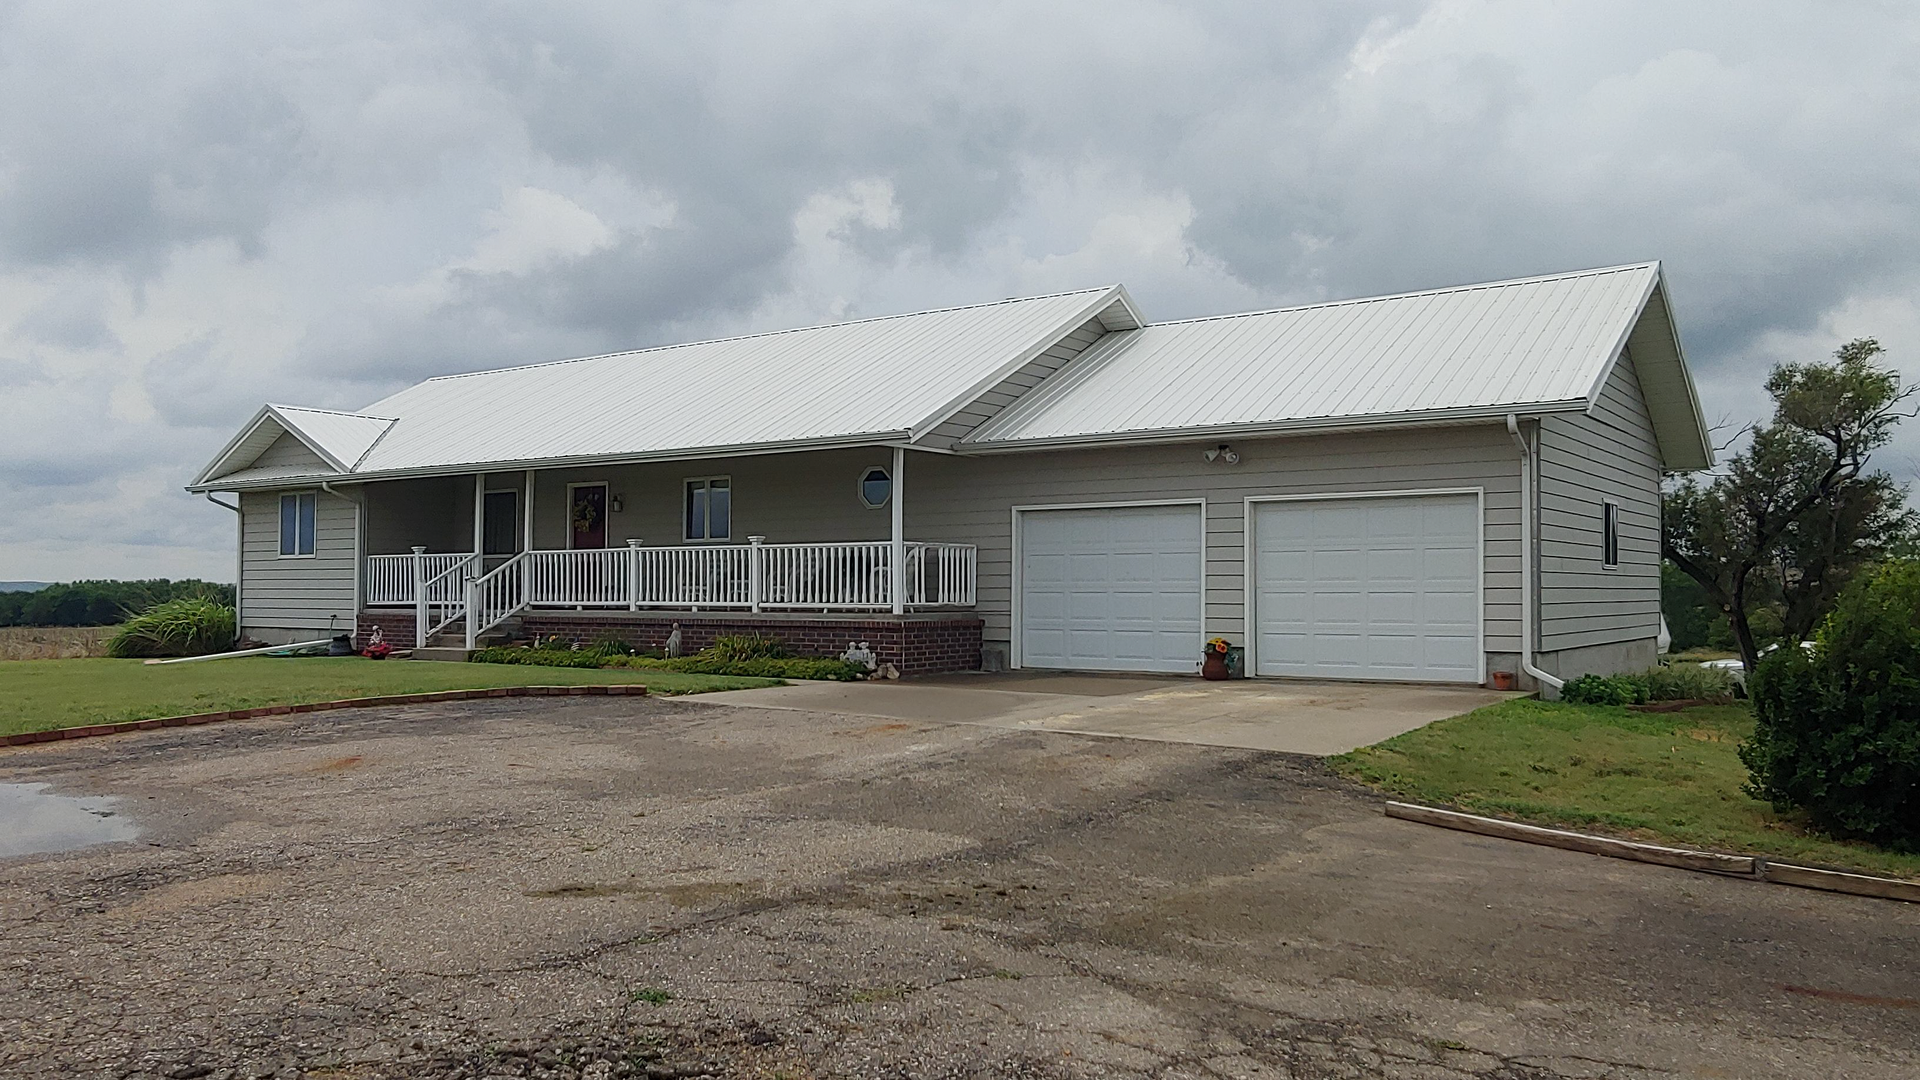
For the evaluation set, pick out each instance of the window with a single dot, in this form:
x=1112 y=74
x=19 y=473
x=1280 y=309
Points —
x=1610 y=534
x=296 y=524
x=710 y=508
x=875 y=487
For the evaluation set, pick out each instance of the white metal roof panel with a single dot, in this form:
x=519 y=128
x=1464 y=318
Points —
x=1525 y=344
x=339 y=436
x=873 y=378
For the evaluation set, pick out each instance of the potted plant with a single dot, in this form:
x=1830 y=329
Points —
x=1213 y=662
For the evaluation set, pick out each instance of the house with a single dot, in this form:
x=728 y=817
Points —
x=1427 y=486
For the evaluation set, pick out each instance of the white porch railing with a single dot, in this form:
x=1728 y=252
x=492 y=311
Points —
x=853 y=576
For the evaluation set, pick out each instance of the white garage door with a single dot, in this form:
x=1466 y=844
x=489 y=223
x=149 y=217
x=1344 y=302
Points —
x=1110 y=589
x=1369 y=588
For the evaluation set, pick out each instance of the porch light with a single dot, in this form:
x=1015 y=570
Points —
x=613 y=505
x=875 y=488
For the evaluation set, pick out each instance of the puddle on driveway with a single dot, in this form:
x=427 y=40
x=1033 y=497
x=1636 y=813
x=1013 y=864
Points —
x=34 y=820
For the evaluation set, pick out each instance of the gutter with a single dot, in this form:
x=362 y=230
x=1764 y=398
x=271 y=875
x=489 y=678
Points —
x=1526 y=557
x=359 y=546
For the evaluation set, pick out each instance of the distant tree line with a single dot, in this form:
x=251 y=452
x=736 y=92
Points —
x=101 y=603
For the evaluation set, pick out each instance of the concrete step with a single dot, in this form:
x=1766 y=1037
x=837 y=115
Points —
x=455 y=654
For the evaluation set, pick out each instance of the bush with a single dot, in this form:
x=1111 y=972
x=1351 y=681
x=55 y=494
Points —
x=1605 y=690
x=1689 y=682
x=732 y=648
x=765 y=667
x=1837 y=732
x=540 y=657
x=185 y=627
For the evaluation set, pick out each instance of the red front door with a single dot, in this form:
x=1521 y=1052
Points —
x=589 y=516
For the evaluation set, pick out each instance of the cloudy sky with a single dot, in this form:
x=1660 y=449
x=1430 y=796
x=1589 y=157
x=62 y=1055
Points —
x=208 y=206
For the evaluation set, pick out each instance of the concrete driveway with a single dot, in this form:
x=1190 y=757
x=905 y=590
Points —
x=1315 y=718
x=625 y=888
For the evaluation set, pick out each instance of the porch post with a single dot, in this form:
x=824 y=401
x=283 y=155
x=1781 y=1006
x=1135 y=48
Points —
x=479 y=519
x=898 y=503
x=633 y=573
x=756 y=571
x=419 y=597
x=526 y=516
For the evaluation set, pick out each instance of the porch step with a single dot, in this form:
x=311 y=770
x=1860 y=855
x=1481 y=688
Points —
x=453 y=654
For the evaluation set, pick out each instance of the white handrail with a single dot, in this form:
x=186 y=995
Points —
x=835 y=576
x=497 y=595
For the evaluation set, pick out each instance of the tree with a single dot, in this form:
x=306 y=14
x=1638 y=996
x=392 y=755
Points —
x=1795 y=515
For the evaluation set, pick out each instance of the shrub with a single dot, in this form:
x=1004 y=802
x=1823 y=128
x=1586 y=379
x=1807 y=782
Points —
x=731 y=648
x=1605 y=690
x=543 y=657
x=765 y=667
x=1837 y=732
x=1689 y=682
x=186 y=627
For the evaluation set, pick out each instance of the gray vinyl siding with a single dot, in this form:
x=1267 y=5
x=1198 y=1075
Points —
x=435 y=512
x=788 y=498
x=1010 y=389
x=971 y=500
x=287 y=450
x=813 y=497
x=296 y=593
x=1585 y=460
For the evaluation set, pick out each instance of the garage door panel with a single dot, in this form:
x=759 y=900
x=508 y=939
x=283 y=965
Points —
x=1130 y=591
x=1381 y=588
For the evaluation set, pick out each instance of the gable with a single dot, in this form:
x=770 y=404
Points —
x=1010 y=389
x=1666 y=387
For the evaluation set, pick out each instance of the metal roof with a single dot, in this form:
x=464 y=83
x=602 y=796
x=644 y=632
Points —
x=871 y=379
x=1534 y=344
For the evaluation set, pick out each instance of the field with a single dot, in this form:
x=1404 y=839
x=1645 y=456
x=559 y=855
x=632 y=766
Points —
x=1669 y=777
x=53 y=642
x=39 y=695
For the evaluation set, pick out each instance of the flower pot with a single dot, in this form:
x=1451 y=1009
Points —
x=1214 y=666
x=1500 y=680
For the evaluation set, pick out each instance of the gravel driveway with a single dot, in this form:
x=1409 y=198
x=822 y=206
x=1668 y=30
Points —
x=609 y=888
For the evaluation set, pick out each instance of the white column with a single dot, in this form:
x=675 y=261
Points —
x=756 y=571
x=479 y=518
x=526 y=516
x=419 y=597
x=898 y=503
x=633 y=573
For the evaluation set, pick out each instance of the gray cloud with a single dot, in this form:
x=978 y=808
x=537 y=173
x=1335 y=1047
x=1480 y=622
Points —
x=210 y=205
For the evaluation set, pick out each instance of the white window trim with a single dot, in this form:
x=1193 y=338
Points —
x=860 y=486
x=684 y=538
x=278 y=512
x=606 y=501
x=1609 y=511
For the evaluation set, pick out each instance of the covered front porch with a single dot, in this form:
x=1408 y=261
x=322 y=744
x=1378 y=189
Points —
x=571 y=545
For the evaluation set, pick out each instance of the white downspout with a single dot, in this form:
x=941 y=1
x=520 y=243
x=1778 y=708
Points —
x=239 y=551
x=359 y=552
x=1526 y=557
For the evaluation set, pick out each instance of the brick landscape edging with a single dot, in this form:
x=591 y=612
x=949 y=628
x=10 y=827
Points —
x=88 y=731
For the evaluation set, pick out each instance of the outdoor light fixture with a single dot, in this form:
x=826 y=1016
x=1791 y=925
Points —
x=613 y=504
x=1223 y=454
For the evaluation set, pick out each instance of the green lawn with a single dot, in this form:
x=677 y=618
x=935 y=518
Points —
x=36 y=695
x=1664 y=777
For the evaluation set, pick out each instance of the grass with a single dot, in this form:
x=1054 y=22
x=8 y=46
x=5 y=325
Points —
x=1666 y=777
x=53 y=642
x=38 y=695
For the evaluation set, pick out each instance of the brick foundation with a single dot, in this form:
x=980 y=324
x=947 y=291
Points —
x=396 y=626
x=929 y=644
